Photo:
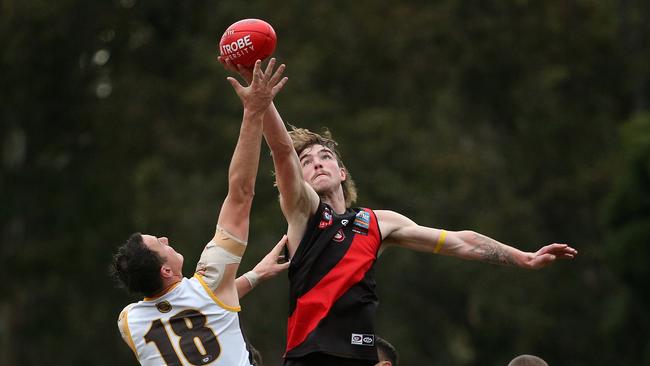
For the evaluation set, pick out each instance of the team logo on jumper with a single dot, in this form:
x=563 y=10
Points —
x=344 y=222
x=164 y=306
x=363 y=339
x=207 y=359
x=362 y=223
x=327 y=215
x=339 y=236
x=326 y=219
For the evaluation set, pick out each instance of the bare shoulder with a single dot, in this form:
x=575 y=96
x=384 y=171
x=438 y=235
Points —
x=389 y=221
x=383 y=217
x=391 y=217
x=124 y=313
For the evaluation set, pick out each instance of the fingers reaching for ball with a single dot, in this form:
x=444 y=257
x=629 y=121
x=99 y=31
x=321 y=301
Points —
x=270 y=77
x=264 y=86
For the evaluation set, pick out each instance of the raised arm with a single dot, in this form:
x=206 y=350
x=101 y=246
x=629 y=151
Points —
x=221 y=257
x=401 y=231
x=298 y=200
x=256 y=98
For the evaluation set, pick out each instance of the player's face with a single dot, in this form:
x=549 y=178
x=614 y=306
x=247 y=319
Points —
x=321 y=169
x=161 y=246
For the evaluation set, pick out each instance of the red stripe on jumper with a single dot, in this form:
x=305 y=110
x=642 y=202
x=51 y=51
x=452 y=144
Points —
x=314 y=305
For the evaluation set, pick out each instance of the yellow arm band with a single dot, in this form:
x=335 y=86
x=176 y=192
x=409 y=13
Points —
x=441 y=241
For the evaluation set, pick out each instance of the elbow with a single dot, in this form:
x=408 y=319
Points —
x=241 y=186
x=468 y=243
x=282 y=149
x=241 y=194
x=468 y=236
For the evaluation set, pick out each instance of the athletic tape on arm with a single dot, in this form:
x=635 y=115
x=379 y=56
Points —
x=252 y=277
x=224 y=249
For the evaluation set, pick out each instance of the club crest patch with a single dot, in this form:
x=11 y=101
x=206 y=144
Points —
x=326 y=219
x=361 y=223
x=339 y=236
x=164 y=306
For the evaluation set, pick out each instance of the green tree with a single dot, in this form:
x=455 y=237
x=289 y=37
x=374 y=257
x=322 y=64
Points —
x=627 y=217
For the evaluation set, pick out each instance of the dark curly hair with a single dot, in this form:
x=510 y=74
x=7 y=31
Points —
x=136 y=268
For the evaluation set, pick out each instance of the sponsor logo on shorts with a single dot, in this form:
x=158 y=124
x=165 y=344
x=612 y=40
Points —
x=363 y=339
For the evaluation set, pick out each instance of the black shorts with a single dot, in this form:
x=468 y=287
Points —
x=323 y=359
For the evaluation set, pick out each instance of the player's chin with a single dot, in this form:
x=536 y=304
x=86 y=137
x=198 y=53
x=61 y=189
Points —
x=320 y=187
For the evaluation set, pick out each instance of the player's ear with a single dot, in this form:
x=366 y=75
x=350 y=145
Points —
x=166 y=271
x=343 y=174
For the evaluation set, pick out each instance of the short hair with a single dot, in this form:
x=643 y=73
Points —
x=527 y=360
x=386 y=351
x=136 y=268
x=303 y=138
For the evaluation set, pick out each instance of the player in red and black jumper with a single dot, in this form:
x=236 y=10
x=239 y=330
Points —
x=333 y=248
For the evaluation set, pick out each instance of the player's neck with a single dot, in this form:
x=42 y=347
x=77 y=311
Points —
x=168 y=285
x=336 y=200
x=171 y=282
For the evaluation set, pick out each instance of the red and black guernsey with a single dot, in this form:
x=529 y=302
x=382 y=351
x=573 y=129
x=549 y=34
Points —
x=332 y=286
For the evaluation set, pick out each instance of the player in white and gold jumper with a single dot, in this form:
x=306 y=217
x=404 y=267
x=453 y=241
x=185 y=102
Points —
x=194 y=321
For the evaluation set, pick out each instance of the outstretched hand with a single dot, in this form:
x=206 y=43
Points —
x=264 y=86
x=549 y=254
x=270 y=266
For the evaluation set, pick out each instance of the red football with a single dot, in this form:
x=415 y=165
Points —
x=246 y=41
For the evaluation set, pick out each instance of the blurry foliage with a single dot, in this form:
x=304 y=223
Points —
x=627 y=217
x=526 y=121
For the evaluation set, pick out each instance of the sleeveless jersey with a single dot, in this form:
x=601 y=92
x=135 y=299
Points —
x=332 y=286
x=188 y=325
